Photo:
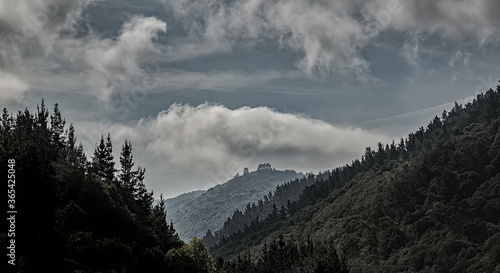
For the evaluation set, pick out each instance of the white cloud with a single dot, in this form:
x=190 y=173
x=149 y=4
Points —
x=207 y=144
x=120 y=62
x=12 y=88
x=38 y=35
x=329 y=35
x=325 y=33
x=29 y=30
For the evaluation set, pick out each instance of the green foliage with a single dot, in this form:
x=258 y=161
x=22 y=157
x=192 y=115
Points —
x=192 y=257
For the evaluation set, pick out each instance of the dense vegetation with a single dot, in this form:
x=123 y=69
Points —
x=76 y=215
x=175 y=203
x=287 y=256
x=212 y=208
x=272 y=206
x=429 y=203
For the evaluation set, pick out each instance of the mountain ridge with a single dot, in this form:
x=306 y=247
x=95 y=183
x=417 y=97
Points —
x=212 y=208
x=429 y=204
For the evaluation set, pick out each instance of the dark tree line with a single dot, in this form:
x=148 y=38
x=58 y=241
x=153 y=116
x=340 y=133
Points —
x=281 y=255
x=80 y=215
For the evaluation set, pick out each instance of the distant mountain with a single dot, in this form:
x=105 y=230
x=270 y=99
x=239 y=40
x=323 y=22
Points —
x=174 y=204
x=212 y=208
x=430 y=203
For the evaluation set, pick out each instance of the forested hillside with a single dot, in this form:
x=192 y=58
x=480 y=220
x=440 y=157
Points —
x=175 y=203
x=429 y=203
x=272 y=205
x=212 y=208
x=78 y=215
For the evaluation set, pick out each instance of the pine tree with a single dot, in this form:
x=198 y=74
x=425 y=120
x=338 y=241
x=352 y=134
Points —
x=102 y=161
x=56 y=128
x=110 y=163
x=143 y=198
x=42 y=116
x=164 y=233
x=127 y=176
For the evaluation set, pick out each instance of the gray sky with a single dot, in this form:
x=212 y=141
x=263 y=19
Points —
x=205 y=88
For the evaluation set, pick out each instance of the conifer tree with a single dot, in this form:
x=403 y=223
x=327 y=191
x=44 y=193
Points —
x=42 y=116
x=143 y=198
x=126 y=176
x=161 y=230
x=56 y=128
x=102 y=161
x=110 y=163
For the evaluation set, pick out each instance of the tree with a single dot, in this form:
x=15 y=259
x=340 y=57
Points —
x=126 y=176
x=56 y=127
x=192 y=257
x=110 y=163
x=102 y=161
x=164 y=233
x=143 y=198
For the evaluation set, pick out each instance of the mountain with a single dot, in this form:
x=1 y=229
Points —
x=212 y=208
x=428 y=204
x=174 y=204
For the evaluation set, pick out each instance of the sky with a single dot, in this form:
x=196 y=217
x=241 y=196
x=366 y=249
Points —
x=203 y=88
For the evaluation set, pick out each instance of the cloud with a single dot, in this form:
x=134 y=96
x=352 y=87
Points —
x=29 y=30
x=410 y=51
x=325 y=33
x=192 y=147
x=38 y=38
x=329 y=36
x=475 y=20
x=121 y=61
x=212 y=142
x=12 y=88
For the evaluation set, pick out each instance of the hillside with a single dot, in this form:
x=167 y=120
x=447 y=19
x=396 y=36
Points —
x=174 y=204
x=211 y=209
x=430 y=204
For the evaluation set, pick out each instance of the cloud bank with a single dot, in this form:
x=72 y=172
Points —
x=212 y=143
x=41 y=36
x=329 y=36
x=28 y=31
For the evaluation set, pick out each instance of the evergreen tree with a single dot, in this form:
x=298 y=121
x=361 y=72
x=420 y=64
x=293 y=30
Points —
x=56 y=127
x=102 y=161
x=127 y=175
x=99 y=158
x=164 y=233
x=109 y=162
x=143 y=198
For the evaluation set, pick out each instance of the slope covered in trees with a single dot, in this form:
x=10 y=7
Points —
x=212 y=208
x=429 y=203
x=80 y=215
x=271 y=205
x=175 y=203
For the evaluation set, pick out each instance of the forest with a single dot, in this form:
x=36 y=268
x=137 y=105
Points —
x=81 y=215
x=429 y=202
